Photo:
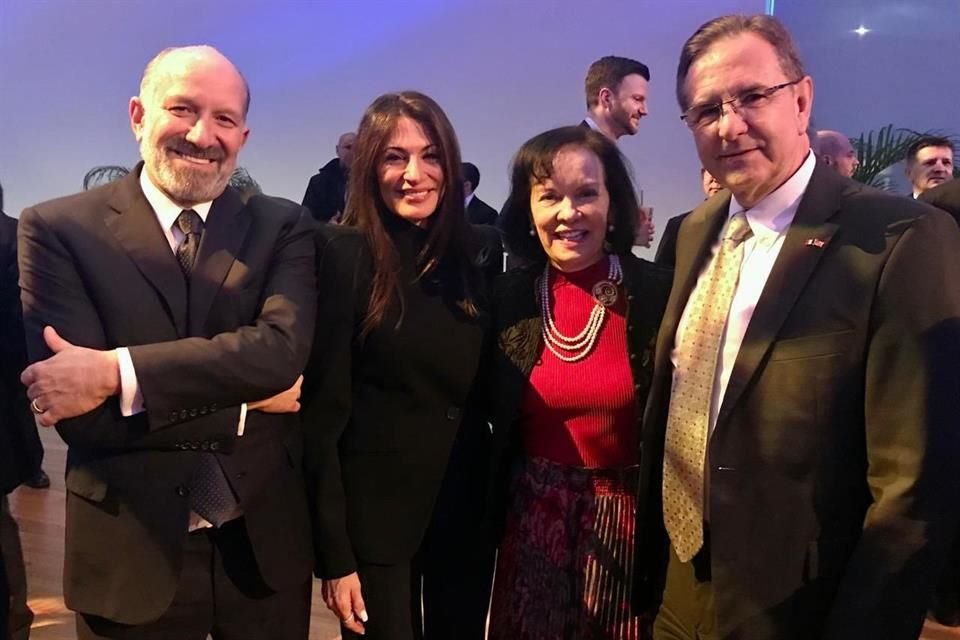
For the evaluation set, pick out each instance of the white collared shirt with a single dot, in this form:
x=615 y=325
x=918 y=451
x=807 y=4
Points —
x=167 y=211
x=769 y=220
x=468 y=200
x=592 y=124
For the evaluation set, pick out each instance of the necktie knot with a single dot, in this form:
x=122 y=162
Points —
x=189 y=222
x=738 y=228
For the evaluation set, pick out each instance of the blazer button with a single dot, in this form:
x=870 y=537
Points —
x=183 y=491
x=194 y=446
x=193 y=413
x=173 y=416
x=203 y=410
x=633 y=356
x=214 y=445
x=205 y=446
x=183 y=414
x=213 y=407
x=453 y=413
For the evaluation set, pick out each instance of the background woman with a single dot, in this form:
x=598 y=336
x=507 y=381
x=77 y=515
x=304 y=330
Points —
x=401 y=321
x=575 y=331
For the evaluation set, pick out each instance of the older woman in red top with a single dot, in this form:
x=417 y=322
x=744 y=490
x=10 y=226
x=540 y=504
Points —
x=571 y=372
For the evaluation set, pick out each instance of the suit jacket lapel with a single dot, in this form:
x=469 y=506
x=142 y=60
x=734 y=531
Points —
x=794 y=265
x=135 y=226
x=224 y=231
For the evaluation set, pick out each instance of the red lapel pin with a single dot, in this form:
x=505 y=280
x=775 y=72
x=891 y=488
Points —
x=815 y=242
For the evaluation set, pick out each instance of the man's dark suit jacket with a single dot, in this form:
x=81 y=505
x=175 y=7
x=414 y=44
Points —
x=479 y=212
x=946 y=197
x=381 y=412
x=518 y=343
x=946 y=602
x=98 y=268
x=326 y=191
x=19 y=442
x=833 y=481
x=667 y=249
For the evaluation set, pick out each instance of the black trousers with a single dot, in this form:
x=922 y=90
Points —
x=220 y=593
x=15 y=615
x=408 y=601
x=4 y=598
x=443 y=592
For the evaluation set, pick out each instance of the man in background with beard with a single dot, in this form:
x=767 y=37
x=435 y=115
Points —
x=155 y=307
x=616 y=92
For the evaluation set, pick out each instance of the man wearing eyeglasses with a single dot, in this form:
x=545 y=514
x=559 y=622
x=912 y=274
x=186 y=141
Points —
x=798 y=475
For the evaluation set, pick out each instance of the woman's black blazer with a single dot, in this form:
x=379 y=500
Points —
x=381 y=411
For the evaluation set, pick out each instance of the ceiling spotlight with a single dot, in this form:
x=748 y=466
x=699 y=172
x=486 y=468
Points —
x=861 y=31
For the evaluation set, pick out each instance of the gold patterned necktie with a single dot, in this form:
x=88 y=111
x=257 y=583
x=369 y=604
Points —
x=688 y=421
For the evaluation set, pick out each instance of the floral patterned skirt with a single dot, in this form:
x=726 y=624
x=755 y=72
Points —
x=565 y=564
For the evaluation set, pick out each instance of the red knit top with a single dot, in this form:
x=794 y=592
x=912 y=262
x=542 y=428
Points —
x=583 y=413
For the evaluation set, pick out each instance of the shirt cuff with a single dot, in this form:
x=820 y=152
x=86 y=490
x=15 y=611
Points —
x=131 y=400
x=242 y=423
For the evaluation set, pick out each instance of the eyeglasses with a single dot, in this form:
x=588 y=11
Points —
x=702 y=116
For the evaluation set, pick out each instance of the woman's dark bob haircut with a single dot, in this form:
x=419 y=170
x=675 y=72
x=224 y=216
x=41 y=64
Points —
x=534 y=164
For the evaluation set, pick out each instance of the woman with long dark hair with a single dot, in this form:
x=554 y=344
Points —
x=387 y=397
x=571 y=372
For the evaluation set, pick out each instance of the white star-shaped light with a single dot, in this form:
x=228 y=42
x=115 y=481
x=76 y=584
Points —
x=861 y=31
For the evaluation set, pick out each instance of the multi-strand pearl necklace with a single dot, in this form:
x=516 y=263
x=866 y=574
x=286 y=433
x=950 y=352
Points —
x=580 y=345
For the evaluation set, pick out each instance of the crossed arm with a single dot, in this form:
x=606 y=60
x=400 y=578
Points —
x=76 y=386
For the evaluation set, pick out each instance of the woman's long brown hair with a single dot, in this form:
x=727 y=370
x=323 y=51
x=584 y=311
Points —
x=448 y=228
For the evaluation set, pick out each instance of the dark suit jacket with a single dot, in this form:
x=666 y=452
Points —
x=519 y=342
x=326 y=191
x=946 y=197
x=479 y=212
x=98 y=268
x=19 y=443
x=946 y=603
x=667 y=249
x=832 y=466
x=382 y=411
